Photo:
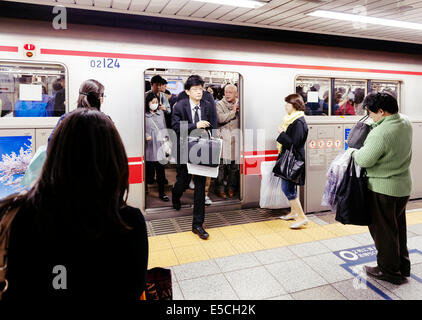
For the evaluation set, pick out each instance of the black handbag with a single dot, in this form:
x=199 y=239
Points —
x=289 y=166
x=210 y=145
x=352 y=198
x=358 y=134
x=158 y=284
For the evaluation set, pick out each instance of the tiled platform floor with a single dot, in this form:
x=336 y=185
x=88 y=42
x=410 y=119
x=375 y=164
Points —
x=267 y=260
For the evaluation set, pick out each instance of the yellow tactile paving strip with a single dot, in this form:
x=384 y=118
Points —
x=186 y=247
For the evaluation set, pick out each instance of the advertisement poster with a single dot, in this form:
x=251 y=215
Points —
x=15 y=156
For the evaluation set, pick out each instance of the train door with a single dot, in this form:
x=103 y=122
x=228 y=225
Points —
x=222 y=192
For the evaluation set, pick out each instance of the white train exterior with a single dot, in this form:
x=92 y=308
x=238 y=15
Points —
x=118 y=58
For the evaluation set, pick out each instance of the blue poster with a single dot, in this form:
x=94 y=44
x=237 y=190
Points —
x=346 y=135
x=15 y=156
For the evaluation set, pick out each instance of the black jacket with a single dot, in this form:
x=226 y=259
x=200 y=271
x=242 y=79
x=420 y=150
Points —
x=112 y=267
x=296 y=134
x=183 y=112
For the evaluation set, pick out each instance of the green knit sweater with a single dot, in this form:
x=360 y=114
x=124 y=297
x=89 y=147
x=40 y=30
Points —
x=386 y=155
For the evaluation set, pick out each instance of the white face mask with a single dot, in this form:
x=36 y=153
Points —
x=153 y=106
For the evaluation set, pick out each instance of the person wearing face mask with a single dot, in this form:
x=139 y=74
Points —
x=294 y=131
x=154 y=153
x=386 y=156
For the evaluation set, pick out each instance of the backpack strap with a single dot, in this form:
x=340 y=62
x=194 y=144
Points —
x=5 y=223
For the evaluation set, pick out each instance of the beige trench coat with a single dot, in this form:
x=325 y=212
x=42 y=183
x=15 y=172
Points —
x=228 y=129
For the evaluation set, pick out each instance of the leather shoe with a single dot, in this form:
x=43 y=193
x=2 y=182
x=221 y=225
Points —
x=230 y=193
x=200 y=232
x=177 y=205
x=222 y=195
x=164 y=198
x=376 y=273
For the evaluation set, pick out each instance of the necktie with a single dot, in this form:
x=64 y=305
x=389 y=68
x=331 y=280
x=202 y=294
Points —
x=196 y=114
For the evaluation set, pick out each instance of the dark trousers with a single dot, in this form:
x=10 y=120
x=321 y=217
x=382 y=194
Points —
x=182 y=182
x=388 y=229
x=152 y=168
x=230 y=173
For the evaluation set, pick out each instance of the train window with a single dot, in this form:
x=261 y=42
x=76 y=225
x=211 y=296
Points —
x=348 y=95
x=392 y=87
x=32 y=90
x=315 y=93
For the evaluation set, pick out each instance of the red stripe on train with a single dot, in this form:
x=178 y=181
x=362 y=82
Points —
x=135 y=159
x=9 y=48
x=218 y=61
x=136 y=173
x=251 y=166
x=258 y=153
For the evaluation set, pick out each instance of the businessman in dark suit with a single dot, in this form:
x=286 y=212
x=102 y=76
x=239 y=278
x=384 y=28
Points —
x=197 y=113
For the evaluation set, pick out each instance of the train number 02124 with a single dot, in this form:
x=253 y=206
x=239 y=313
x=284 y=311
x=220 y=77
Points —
x=105 y=63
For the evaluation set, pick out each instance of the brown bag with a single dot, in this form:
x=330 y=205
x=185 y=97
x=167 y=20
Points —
x=158 y=285
x=5 y=223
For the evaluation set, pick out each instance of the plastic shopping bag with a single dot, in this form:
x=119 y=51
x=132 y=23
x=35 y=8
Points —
x=271 y=194
x=35 y=166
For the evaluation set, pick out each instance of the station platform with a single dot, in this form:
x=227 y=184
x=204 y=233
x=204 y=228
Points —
x=268 y=260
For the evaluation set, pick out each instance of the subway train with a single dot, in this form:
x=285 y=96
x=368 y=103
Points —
x=33 y=56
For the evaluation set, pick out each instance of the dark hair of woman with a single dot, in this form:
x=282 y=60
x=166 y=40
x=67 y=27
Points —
x=296 y=101
x=150 y=96
x=84 y=181
x=90 y=93
x=381 y=100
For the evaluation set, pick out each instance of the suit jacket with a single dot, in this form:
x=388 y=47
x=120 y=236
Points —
x=296 y=134
x=183 y=112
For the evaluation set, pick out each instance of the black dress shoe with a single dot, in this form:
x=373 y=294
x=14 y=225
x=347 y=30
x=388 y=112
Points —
x=201 y=232
x=405 y=273
x=376 y=273
x=164 y=198
x=177 y=205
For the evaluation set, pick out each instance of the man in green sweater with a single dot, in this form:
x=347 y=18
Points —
x=386 y=156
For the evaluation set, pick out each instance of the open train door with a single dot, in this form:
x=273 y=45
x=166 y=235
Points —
x=215 y=82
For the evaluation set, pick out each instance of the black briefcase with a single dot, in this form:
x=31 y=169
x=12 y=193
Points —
x=205 y=151
x=358 y=134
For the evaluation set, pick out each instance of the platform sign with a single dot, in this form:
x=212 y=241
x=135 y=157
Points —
x=356 y=258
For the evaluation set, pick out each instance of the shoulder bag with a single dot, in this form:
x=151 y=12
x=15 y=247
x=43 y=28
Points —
x=358 y=134
x=289 y=166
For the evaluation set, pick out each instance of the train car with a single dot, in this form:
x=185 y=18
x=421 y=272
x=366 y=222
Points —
x=33 y=55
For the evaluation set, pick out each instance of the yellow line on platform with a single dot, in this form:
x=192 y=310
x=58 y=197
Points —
x=186 y=247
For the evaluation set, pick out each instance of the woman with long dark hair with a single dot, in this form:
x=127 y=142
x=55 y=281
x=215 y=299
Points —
x=74 y=236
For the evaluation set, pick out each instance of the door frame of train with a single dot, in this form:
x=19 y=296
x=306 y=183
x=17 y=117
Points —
x=241 y=145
